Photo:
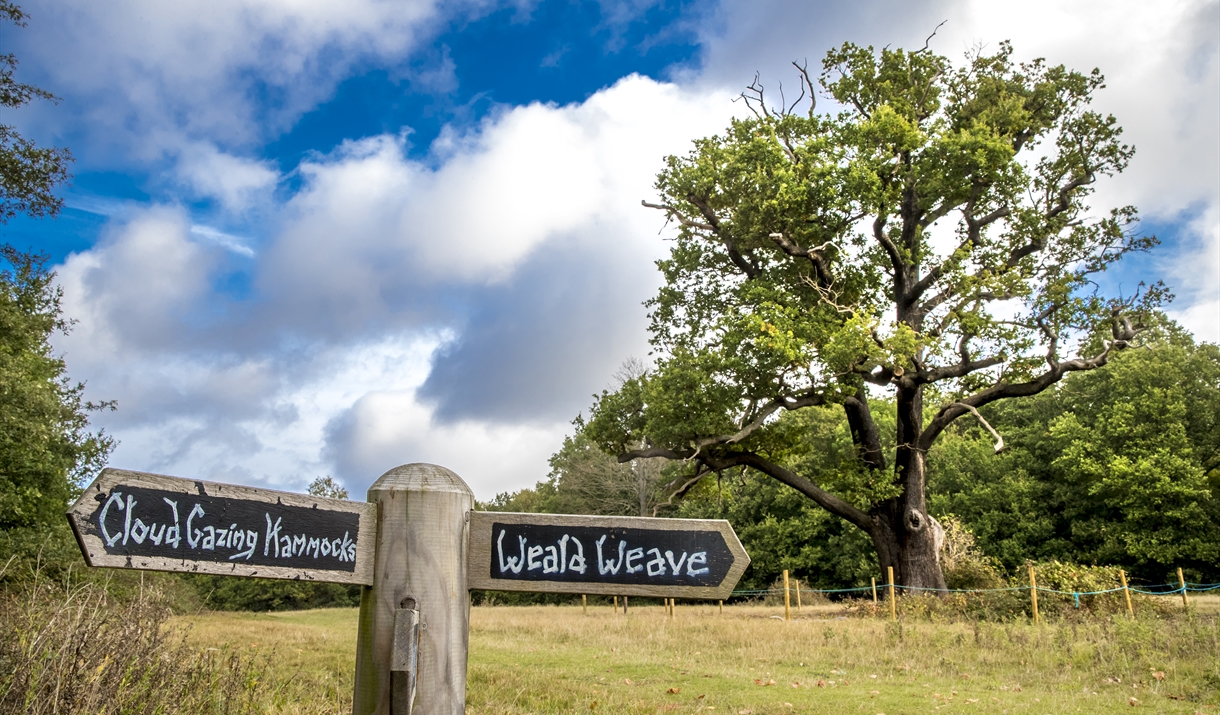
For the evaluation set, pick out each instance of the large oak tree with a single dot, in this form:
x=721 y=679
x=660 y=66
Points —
x=930 y=236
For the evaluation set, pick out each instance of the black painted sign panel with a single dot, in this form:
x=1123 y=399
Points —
x=614 y=555
x=140 y=521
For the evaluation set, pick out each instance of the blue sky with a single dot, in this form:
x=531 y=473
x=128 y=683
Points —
x=311 y=238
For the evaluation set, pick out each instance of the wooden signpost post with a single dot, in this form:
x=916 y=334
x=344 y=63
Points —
x=417 y=547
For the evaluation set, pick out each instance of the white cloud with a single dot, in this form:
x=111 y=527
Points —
x=156 y=76
x=378 y=262
x=236 y=183
x=141 y=284
x=368 y=218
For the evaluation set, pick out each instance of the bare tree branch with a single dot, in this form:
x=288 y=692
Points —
x=999 y=441
x=1123 y=333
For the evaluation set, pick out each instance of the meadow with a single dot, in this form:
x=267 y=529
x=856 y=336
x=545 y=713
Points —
x=749 y=661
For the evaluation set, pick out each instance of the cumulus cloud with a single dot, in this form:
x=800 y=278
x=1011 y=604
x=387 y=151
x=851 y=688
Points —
x=236 y=183
x=241 y=70
x=459 y=308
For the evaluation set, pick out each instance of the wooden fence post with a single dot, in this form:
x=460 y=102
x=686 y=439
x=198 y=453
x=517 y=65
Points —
x=720 y=605
x=874 y=580
x=422 y=525
x=1033 y=592
x=787 y=597
x=584 y=604
x=1182 y=584
x=798 y=593
x=624 y=605
x=616 y=605
x=1122 y=576
x=893 y=603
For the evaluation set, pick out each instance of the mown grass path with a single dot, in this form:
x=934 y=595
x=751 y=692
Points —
x=556 y=660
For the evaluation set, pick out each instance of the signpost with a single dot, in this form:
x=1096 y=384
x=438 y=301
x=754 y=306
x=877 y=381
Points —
x=610 y=555
x=153 y=522
x=417 y=547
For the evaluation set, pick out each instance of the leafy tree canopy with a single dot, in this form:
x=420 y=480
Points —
x=28 y=172
x=930 y=236
x=46 y=448
x=1118 y=466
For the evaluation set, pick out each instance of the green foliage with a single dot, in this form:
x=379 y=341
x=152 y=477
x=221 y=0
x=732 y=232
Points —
x=232 y=593
x=781 y=529
x=326 y=487
x=1116 y=466
x=28 y=172
x=586 y=480
x=46 y=448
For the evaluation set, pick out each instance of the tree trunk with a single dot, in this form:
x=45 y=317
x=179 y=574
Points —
x=905 y=535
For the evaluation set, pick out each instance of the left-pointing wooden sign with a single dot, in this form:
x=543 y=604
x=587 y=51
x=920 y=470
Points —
x=150 y=521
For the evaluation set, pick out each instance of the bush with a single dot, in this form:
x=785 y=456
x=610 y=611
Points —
x=964 y=565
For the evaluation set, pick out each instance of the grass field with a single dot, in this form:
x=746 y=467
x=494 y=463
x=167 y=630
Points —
x=550 y=659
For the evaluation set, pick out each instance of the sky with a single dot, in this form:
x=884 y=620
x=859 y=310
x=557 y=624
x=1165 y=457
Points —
x=308 y=238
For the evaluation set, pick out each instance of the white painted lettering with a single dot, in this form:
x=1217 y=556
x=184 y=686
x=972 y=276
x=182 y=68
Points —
x=273 y=536
x=636 y=553
x=675 y=567
x=312 y=545
x=138 y=531
x=115 y=498
x=192 y=534
x=656 y=566
x=531 y=555
x=699 y=557
x=131 y=502
x=563 y=553
x=173 y=535
x=609 y=567
x=578 y=559
x=209 y=541
x=156 y=536
x=251 y=542
x=550 y=562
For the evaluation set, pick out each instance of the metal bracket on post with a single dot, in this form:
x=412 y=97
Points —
x=404 y=658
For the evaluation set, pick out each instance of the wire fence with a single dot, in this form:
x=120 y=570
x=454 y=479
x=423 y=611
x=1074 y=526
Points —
x=1163 y=589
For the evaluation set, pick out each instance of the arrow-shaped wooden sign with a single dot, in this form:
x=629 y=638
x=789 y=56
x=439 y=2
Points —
x=150 y=521
x=613 y=555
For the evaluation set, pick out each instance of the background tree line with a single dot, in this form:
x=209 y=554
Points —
x=1118 y=466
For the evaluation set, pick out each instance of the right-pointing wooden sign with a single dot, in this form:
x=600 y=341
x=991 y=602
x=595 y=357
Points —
x=614 y=555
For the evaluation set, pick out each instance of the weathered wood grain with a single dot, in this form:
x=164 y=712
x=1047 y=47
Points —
x=215 y=542
x=421 y=554
x=715 y=535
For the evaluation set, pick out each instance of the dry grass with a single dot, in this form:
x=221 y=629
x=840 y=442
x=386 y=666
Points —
x=77 y=649
x=549 y=659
